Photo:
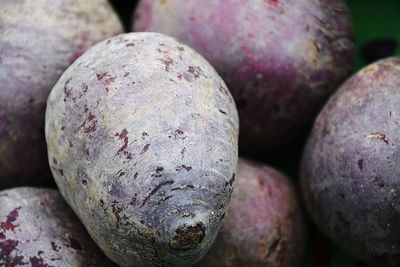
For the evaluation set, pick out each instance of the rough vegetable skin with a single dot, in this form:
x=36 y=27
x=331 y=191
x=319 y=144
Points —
x=280 y=59
x=39 y=39
x=350 y=165
x=38 y=229
x=264 y=225
x=149 y=158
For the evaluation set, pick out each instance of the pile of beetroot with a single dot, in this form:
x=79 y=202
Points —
x=142 y=133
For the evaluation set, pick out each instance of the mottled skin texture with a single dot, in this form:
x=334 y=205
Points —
x=38 y=229
x=281 y=59
x=350 y=169
x=264 y=225
x=142 y=139
x=39 y=39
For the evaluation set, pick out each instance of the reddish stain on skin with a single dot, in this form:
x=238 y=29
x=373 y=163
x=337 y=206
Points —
x=2 y=236
x=195 y=71
x=105 y=78
x=145 y=148
x=11 y=217
x=167 y=62
x=6 y=248
x=93 y=121
x=38 y=262
x=124 y=137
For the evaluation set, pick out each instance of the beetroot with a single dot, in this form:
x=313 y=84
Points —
x=264 y=225
x=39 y=39
x=350 y=165
x=37 y=228
x=281 y=59
x=142 y=138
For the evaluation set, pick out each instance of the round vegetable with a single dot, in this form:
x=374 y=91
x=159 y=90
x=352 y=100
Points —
x=37 y=228
x=264 y=225
x=142 y=138
x=350 y=166
x=39 y=39
x=281 y=59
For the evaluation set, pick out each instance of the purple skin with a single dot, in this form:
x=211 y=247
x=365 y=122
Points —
x=38 y=229
x=142 y=139
x=281 y=59
x=39 y=39
x=350 y=166
x=264 y=225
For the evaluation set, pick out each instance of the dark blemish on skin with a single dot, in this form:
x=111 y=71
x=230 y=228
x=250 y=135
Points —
x=188 y=236
x=145 y=148
x=231 y=180
x=123 y=136
x=133 y=200
x=40 y=252
x=7 y=247
x=378 y=182
x=67 y=91
x=181 y=48
x=360 y=164
x=11 y=218
x=55 y=161
x=135 y=176
x=130 y=44
x=379 y=136
x=158 y=172
x=84 y=182
x=116 y=210
x=61 y=172
x=157 y=188
x=183 y=152
x=163 y=199
x=272 y=248
x=30 y=101
x=2 y=236
x=70 y=144
x=222 y=217
x=62 y=128
x=54 y=246
x=38 y=262
x=126 y=74
x=74 y=244
x=179 y=75
x=195 y=71
x=187 y=168
x=223 y=112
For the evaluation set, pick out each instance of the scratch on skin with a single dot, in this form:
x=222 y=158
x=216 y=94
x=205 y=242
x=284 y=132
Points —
x=378 y=136
x=158 y=187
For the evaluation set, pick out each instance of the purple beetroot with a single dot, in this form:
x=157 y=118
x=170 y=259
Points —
x=37 y=228
x=264 y=225
x=350 y=169
x=142 y=139
x=39 y=39
x=281 y=59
